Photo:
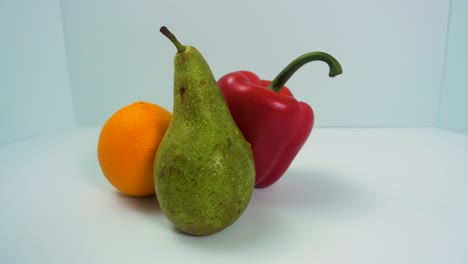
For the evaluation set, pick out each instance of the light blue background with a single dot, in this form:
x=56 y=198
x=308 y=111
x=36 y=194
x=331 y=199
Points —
x=73 y=63
x=453 y=110
x=35 y=96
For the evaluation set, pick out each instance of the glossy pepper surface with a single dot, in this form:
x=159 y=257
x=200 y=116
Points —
x=274 y=123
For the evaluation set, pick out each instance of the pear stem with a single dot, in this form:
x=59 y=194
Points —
x=180 y=48
x=286 y=73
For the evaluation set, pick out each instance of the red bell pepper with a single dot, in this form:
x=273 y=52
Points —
x=274 y=123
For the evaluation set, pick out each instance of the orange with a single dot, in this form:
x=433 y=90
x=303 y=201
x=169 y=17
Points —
x=127 y=146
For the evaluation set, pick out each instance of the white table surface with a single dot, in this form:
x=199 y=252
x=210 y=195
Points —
x=351 y=196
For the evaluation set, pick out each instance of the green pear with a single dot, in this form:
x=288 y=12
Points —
x=204 y=167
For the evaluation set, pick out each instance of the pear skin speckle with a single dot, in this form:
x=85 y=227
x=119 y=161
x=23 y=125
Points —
x=204 y=168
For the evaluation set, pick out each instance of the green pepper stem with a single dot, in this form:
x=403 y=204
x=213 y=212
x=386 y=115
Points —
x=286 y=73
x=180 y=48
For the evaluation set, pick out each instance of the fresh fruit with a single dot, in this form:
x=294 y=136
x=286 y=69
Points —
x=127 y=146
x=204 y=171
x=274 y=123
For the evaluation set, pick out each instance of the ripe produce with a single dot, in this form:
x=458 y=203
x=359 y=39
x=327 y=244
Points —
x=204 y=172
x=274 y=123
x=127 y=146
